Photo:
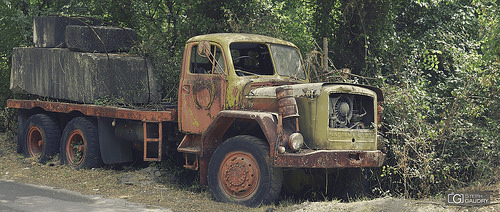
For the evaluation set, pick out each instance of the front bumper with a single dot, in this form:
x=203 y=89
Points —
x=330 y=159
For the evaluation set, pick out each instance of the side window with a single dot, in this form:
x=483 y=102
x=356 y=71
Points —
x=203 y=64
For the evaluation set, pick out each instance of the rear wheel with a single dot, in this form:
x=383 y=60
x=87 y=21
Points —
x=240 y=171
x=40 y=137
x=80 y=144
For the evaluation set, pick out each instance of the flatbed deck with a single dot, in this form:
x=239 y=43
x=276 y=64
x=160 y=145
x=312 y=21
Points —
x=96 y=110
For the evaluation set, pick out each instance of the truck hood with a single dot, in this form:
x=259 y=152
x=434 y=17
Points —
x=308 y=90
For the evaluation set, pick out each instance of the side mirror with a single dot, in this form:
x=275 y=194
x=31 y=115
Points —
x=204 y=49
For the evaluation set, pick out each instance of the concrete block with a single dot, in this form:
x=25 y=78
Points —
x=49 y=31
x=82 y=77
x=99 y=38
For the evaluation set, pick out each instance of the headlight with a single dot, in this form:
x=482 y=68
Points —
x=295 y=141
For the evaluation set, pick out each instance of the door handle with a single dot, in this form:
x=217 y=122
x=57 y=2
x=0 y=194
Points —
x=186 y=88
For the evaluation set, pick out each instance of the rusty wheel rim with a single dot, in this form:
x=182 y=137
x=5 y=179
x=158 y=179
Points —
x=239 y=175
x=35 y=141
x=75 y=148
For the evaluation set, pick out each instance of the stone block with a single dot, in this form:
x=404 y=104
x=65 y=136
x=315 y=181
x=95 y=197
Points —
x=49 y=31
x=99 y=38
x=82 y=77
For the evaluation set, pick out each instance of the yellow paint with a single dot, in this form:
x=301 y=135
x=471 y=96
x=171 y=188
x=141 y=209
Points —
x=195 y=122
x=314 y=127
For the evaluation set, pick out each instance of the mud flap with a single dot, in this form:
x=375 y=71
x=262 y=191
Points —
x=113 y=150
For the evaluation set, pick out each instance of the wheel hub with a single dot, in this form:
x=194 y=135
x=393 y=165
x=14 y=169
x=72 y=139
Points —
x=236 y=174
x=239 y=174
x=75 y=148
x=35 y=141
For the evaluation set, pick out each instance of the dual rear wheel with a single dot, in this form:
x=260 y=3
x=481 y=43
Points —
x=78 y=143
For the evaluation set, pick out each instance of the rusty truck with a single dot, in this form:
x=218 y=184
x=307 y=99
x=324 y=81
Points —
x=247 y=112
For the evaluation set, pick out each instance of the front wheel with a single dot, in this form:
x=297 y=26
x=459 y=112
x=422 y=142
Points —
x=240 y=171
x=80 y=144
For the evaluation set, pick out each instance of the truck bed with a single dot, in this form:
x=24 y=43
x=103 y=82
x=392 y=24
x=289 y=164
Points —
x=168 y=114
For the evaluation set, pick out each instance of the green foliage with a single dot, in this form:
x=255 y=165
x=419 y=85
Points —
x=362 y=35
x=13 y=33
x=489 y=28
x=437 y=61
x=8 y=121
x=442 y=101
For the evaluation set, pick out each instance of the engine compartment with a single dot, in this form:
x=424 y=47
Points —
x=351 y=111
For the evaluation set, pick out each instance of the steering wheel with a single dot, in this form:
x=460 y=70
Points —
x=242 y=71
x=252 y=59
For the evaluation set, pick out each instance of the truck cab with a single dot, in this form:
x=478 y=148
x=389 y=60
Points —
x=248 y=110
x=219 y=70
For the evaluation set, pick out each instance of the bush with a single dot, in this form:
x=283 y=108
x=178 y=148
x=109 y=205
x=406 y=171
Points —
x=8 y=121
x=442 y=104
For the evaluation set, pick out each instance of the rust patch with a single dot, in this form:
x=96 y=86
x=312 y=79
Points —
x=95 y=110
x=204 y=94
x=286 y=102
x=263 y=104
x=330 y=159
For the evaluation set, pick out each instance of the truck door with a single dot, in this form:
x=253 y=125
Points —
x=202 y=86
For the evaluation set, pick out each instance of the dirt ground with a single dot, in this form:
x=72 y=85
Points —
x=153 y=186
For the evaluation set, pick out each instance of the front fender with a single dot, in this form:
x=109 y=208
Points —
x=213 y=136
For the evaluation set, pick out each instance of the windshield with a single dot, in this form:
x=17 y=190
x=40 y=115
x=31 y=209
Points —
x=287 y=61
x=251 y=59
x=255 y=59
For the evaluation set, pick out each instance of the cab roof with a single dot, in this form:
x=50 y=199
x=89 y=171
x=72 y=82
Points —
x=227 y=38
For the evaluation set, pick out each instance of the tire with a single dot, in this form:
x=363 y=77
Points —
x=80 y=145
x=22 y=118
x=240 y=171
x=40 y=137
